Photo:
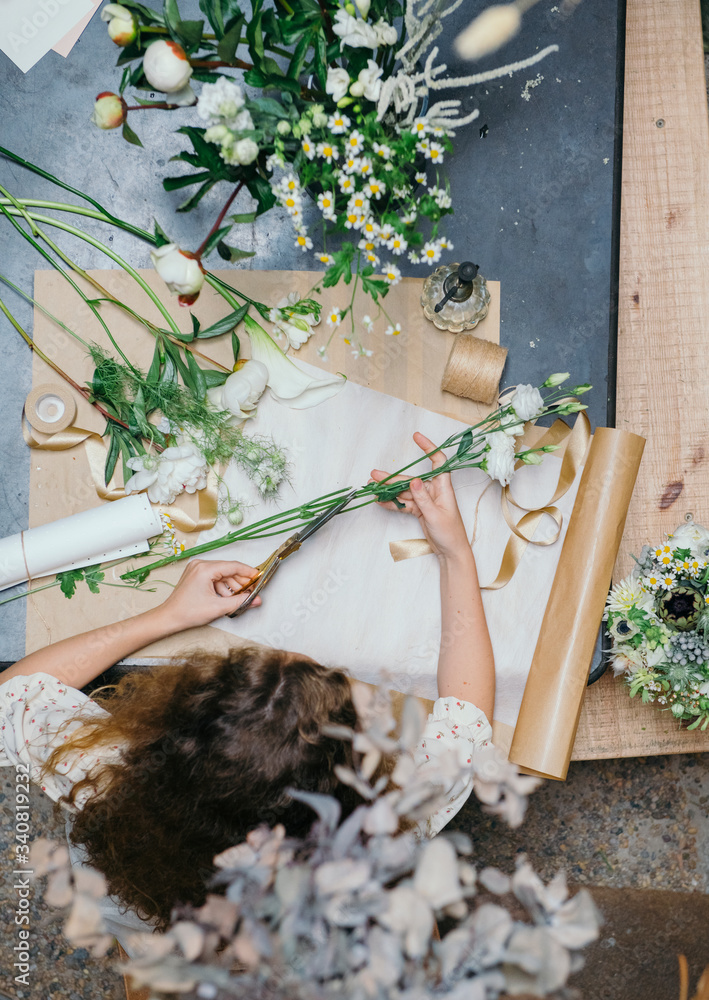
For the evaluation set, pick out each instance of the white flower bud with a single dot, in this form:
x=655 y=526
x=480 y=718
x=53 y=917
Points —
x=363 y=7
x=490 y=30
x=283 y=127
x=242 y=152
x=181 y=273
x=122 y=23
x=109 y=110
x=338 y=80
x=166 y=66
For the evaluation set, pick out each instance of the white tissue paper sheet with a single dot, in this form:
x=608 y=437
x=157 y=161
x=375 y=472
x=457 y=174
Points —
x=341 y=599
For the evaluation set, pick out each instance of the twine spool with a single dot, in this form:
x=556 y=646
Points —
x=474 y=369
x=50 y=408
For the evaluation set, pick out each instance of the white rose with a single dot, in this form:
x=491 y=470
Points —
x=527 y=402
x=122 y=23
x=369 y=80
x=166 y=66
x=181 y=273
x=356 y=34
x=692 y=536
x=499 y=462
x=242 y=390
x=386 y=34
x=337 y=84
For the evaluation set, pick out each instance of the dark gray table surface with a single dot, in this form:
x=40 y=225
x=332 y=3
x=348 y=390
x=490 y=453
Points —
x=533 y=197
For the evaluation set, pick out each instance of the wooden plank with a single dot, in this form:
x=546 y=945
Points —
x=663 y=334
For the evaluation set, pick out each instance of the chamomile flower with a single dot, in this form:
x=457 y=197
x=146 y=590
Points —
x=431 y=252
x=423 y=147
x=445 y=243
x=308 y=148
x=382 y=151
x=358 y=203
x=420 y=127
x=354 y=143
x=393 y=330
x=338 y=124
x=364 y=167
x=334 y=318
x=420 y=177
x=361 y=352
x=665 y=559
x=668 y=581
x=304 y=242
x=371 y=258
x=386 y=232
x=325 y=258
x=410 y=217
x=368 y=323
x=370 y=228
x=441 y=197
x=697 y=567
x=289 y=184
x=346 y=183
x=434 y=152
x=326 y=204
x=397 y=244
x=662 y=550
x=392 y=274
x=414 y=257
x=683 y=566
x=292 y=203
x=327 y=151
x=375 y=189
x=350 y=164
x=353 y=220
x=322 y=353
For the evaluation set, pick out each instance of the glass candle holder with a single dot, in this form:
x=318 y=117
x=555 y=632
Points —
x=463 y=292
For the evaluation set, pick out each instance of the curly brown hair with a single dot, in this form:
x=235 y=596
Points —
x=207 y=750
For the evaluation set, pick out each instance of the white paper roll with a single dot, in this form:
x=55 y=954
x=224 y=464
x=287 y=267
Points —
x=112 y=531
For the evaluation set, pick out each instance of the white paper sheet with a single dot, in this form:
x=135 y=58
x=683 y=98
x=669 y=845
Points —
x=113 y=531
x=67 y=43
x=342 y=599
x=29 y=28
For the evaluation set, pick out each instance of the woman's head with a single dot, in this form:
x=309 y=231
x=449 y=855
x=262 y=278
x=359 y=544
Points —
x=209 y=748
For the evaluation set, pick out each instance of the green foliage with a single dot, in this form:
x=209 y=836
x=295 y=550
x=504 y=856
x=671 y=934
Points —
x=91 y=575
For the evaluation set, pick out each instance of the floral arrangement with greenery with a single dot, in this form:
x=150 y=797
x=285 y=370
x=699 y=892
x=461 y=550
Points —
x=658 y=622
x=310 y=99
x=351 y=909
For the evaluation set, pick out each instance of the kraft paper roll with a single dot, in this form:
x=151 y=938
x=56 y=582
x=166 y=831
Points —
x=112 y=531
x=474 y=369
x=50 y=408
x=548 y=719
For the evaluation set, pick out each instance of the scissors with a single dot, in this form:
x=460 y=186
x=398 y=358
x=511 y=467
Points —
x=269 y=566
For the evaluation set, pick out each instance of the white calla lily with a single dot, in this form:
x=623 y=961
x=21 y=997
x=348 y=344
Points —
x=288 y=383
x=242 y=390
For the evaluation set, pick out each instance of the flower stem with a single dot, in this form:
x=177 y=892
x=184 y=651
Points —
x=158 y=106
x=200 y=250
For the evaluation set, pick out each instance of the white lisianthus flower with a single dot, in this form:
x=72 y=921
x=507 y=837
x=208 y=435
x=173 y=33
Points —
x=166 y=66
x=527 y=402
x=220 y=103
x=179 y=469
x=122 y=23
x=369 y=82
x=386 y=33
x=241 y=391
x=109 y=110
x=242 y=152
x=181 y=273
x=499 y=462
x=357 y=34
x=337 y=83
x=296 y=327
x=692 y=536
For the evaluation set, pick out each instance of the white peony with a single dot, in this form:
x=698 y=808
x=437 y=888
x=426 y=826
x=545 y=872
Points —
x=166 y=66
x=527 y=402
x=109 y=110
x=357 y=34
x=179 y=469
x=386 y=33
x=221 y=103
x=499 y=462
x=181 y=273
x=337 y=84
x=692 y=536
x=122 y=23
x=241 y=391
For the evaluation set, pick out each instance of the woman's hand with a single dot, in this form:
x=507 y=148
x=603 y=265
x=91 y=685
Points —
x=433 y=503
x=208 y=590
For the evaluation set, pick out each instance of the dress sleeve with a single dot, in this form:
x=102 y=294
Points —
x=33 y=714
x=453 y=727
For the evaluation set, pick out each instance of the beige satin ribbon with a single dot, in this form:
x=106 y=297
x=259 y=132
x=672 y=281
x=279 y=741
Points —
x=95 y=449
x=575 y=442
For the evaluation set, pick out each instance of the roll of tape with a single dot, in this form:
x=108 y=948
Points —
x=50 y=408
x=474 y=369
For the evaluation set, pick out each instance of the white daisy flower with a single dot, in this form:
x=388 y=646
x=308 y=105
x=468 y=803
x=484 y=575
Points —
x=289 y=184
x=292 y=203
x=668 y=581
x=370 y=228
x=371 y=258
x=353 y=220
x=338 y=124
x=351 y=164
x=304 y=242
x=386 y=233
x=368 y=323
x=650 y=582
x=375 y=188
x=445 y=243
x=325 y=258
x=364 y=167
x=420 y=177
x=393 y=331
x=420 y=126
x=392 y=274
x=441 y=197
x=423 y=147
x=346 y=183
x=431 y=252
x=414 y=257
x=326 y=202
x=662 y=550
x=327 y=151
x=358 y=203
x=366 y=245
x=410 y=217
x=381 y=150
x=354 y=142
x=434 y=152
x=334 y=318
x=308 y=148
x=397 y=244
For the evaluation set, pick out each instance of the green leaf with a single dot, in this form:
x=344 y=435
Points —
x=212 y=10
x=214 y=379
x=148 y=15
x=262 y=192
x=188 y=205
x=153 y=375
x=233 y=253
x=93 y=575
x=374 y=286
x=235 y=342
x=298 y=57
x=465 y=442
x=186 y=33
x=224 y=325
x=124 y=80
x=254 y=36
x=226 y=49
x=195 y=326
x=174 y=183
x=114 y=451
x=68 y=581
x=266 y=106
x=198 y=379
x=215 y=239
x=245 y=217
x=130 y=136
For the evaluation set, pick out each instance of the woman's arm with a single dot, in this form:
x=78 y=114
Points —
x=205 y=592
x=466 y=666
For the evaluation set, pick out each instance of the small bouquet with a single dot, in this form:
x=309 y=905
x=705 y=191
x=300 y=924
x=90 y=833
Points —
x=658 y=621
